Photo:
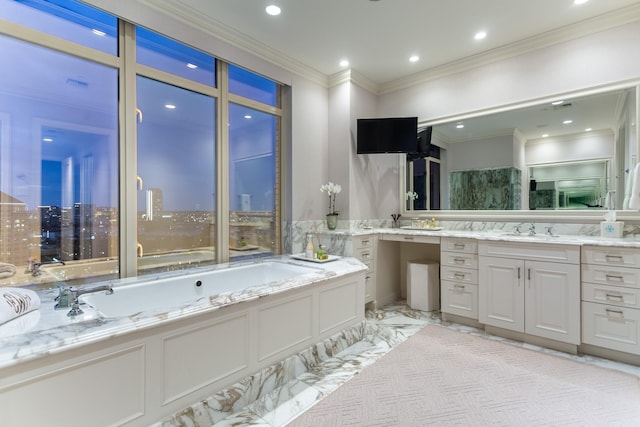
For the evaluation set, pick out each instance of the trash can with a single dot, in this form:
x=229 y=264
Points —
x=423 y=284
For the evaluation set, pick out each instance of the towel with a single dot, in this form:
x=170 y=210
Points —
x=7 y=270
x=634 y=200
x=628 y=188
x=15 y=302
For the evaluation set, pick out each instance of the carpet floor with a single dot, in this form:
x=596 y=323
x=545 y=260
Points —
x=443 y=377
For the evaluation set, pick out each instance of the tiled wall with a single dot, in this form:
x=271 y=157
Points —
x=486 y=189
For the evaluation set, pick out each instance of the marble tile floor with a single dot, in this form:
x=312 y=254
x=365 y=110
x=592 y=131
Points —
x=385 y=329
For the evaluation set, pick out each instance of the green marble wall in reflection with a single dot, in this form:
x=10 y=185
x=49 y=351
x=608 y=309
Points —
x=486 y=189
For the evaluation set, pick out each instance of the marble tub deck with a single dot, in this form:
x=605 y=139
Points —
x=383 y=330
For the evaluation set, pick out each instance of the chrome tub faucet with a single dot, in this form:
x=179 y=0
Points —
x=68 y=297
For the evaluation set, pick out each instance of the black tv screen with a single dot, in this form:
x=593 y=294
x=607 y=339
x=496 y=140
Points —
x=387 y=135
x=424 y=140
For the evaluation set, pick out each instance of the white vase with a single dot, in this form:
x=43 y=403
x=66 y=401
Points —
x=332 y=221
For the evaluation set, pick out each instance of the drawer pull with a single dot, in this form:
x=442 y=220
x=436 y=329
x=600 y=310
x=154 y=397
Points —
x=612 y=278
x=459 y=287
x=458 y=275
x=365 y=243
x=458 y=245
x=408 y=237
x=365 y=255
x=620 y=313
x=458 y=260
x=613 y=258
x=615 y=297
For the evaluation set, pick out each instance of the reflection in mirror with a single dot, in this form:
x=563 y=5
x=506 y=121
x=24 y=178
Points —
x=578 y=185
x=485 y=162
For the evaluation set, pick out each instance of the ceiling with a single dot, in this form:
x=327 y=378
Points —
x=378 y=36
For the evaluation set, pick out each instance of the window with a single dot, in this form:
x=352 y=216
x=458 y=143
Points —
x=163 y=53
x=252 y=86
x=253 y=189
x=176 y=166
x=67 y=19
x=59 y=184
x=63 y=171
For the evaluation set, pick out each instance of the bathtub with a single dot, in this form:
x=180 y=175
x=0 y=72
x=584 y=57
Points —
x=159 y=344
x=193 y=289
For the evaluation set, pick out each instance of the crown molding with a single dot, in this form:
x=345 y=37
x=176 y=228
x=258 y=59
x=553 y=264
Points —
x=227 y=34
x=353 y=76
x=594 y=25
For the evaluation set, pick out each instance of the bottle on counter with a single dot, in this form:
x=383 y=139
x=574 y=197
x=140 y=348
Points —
x=310 y=250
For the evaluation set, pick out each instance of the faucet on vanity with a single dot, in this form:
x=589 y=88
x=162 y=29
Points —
x=532 y=229
x=68 y=297
x=34 y=267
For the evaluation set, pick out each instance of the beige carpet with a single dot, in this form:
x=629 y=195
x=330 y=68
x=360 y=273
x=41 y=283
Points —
x=444 y=377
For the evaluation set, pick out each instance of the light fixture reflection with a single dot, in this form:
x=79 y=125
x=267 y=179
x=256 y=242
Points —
x=169 y=106
x=273 y=10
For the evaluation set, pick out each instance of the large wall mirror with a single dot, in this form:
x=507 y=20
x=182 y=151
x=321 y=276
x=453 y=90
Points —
x=572 y=153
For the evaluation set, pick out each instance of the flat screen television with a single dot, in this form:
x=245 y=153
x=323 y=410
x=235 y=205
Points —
x=387 y=135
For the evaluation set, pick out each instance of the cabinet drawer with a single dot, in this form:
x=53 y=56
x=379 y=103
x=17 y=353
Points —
x=455 y=259
x=611 y=275
x=363 y=242
x=411 y=238
x=613 y=295
x=569 y=254
x=459 y=299
x=369 y=265
x=450 y=244
x=610 y=327
x=462 y=275
x=615 y=256
x=364 y=255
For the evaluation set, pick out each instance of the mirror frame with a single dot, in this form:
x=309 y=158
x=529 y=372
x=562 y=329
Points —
x=554 y=216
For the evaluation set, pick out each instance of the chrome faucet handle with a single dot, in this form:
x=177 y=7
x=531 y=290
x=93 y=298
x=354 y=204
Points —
x=517 y=229
x=532 y=229
x=64 y=298
x=549 y=230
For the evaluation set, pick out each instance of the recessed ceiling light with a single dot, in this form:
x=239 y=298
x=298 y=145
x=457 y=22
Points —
x=580 y=1
x=480 y=35
x=588 y=130
x=567 y=122
x=459 y=126
x=192 y=66
x=273 y=10
x=414 y=58
x=545 y=135
x=344 y=63
x=170 y=106
x=557 y=102
x=98 y=33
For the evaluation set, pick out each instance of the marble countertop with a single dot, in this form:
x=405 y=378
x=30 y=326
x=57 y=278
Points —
x=47 y=331
x=630 y=241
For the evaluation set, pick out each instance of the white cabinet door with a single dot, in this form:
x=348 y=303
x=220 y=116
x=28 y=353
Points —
x=552 y=301
x=501 y=293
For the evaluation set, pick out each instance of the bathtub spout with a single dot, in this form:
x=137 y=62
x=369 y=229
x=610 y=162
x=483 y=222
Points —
x=68 y=297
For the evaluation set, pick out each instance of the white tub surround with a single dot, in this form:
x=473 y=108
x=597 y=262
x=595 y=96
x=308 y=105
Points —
x=153 y=362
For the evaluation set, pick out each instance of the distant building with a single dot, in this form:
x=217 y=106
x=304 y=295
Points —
x=154 y=203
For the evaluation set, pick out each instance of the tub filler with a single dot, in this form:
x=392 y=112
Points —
x=154 y=347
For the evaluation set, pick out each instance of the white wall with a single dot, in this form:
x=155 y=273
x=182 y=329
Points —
x=490 y=153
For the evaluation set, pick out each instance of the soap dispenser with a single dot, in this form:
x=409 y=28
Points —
x=310 y=250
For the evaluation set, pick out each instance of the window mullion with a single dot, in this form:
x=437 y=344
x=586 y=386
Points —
x=128 y=152
x=222 y=165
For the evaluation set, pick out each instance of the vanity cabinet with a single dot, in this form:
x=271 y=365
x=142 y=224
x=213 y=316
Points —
x=611 y=298
x=364 y=249
x=531 y=288
x=459 y=277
